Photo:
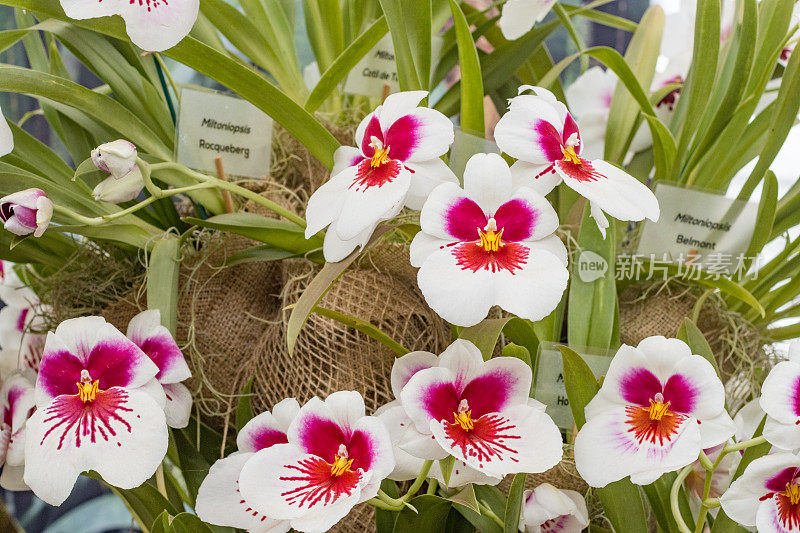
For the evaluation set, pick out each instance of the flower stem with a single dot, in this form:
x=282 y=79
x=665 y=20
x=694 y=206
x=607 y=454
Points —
x=423 y=473
x=384 y=501
x=380 y=504
x=673 y=499
x=487 y=512
x=705 y=461
x=232 y=187
x=739 y=446
x=160 y=483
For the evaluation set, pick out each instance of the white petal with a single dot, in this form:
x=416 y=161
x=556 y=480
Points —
x=617 y=193
x=551 y=244
x=717 y=430
x=397 y=105
x=268 y=428
x=397 y=423
x=779 y=394
x=124 y=442
x=531 y=130
x=345 y=408
x=325 y=204
x=606 y=450
x=158 y=26
x=783 y=436
x=600 y=218
x=487 y=181
x=519 y=16
x=535 y=290
x=179 y=405
x=522 y=439
x=406 y=366
x=426 y=176
x=80 y=9
x=419 y=135
x=535 y=176
x=591 y=92
x=423 y=245
x=448 y=211
x=363 y=208
x=219 y=501
x=335 y=249
x=12 y=478
x=344 y=157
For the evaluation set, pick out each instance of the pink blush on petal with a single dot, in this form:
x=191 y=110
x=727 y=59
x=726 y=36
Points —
x=59 y=372
x=517 y=219
x=373 y=129
x=463 y=218
x=403 y=137
x=267 y=437
x=321 y=437
x=489 y=393
x=779 y=481
x=440 y=400
x=680 y=393
x=638 y=386
x=361 y=450
x=580 y=172
x=162 y=350
x=548 y=139
x=112 y=362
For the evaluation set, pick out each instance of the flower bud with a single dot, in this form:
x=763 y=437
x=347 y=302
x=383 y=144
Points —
x=116 y=190
x=26 y=212
x=117 y=158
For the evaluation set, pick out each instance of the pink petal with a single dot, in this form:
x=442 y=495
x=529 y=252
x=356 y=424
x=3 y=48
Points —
x=373 y=129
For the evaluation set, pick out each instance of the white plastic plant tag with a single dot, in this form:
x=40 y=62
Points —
x=550 y=388
x=698 y=228
x=378 y=69
x=465 y=145
x=212 y=124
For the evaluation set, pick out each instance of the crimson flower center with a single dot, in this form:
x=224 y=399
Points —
x=792 y=492
x=341 y=462
x=87 y=389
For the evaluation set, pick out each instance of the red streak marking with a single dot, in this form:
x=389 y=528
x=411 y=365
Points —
x=368 y=176
x=486 y=441
x=320 y=486
x=71 y=415
x=652 y=430
x=472 y=256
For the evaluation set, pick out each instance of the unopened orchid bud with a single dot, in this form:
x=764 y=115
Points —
x=26 y=212
x=118 y=158
x=117 y=190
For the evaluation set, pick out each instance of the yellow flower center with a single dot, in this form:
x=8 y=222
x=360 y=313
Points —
x=570 y=155
x=88 y=390
x=491 y=239
x=341 y=463
x=658 y=407
x=793 y=493
x=463 y=416
x=381 y=154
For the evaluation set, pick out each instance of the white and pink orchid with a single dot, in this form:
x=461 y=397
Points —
x=547 y=509
x=658 y=407
x=518 y=17
x=152 y=25
x=155 y=340
x=480 y=413
x=26 y=212
x=18 y=403
x=589 y=99
x=117 y=158
x=540 y=132
x=13 y=324
x=792 y=44
x=396 y=164
x=6 y=136
x=219 y=500
x=335 y=458
x=98 y=407
x=780 y=399
x=487 y=245
x=767 y=495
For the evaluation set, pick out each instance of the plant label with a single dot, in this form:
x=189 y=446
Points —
x=698 y=228
x=213 y=125
x=465 y=145
x=550 y=388
x=378 y=69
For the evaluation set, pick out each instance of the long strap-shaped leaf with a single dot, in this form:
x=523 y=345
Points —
x=246 y=82
x=471 y=78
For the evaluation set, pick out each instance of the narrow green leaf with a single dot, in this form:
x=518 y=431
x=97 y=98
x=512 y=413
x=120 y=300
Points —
x=257 y=254
x=471 y=77
x=161 y=524
x=766 y=215
x=514 y=505
x=403 y=54
x=446 y=466
x=162 y=280
x=579 y=382
x=244 y=408
x=691 y=335
x=364 y=327
x=427 y=516
x=466 y=497
x=189 y=523
x=276 y=233
x=347 y=60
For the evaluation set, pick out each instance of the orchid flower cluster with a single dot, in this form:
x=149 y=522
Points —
x=84 y=397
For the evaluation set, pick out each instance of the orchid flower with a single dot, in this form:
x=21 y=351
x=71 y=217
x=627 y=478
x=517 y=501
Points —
x=767 y=495
x=547 y=509
x=13 y=324
x=397 y=163
x=519 y=16
x=780 y=399
x=787 y=51
x=487 y=245
x=117 y=158
x=13 y=291
x=480 y=413
x=539 y=131
x=152 y=25
x=17 y=399
x=98 y=407
x=403 y=432
x=120 y=190
x=219 y=500
x=25 y=356
x=146 y=331
x=335 y=458
x=658 y=407
x=6 y=136
x=589 y=98
x=26 y=212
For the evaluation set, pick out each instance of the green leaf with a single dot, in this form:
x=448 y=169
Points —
x=189 y=523
x=347 y=60
x=161 y=524
x=658 y=494
x=384 y=520
x=394 y=10
x=193 y=465
x=514 y=505
x=325 y=30
x=641 y=56
x=276 y=233
x=485 y=334
x=691 y=335
x=244 y=408
x=590 y=321
x=145 y=502
x=490 y=497
x=364 y=327
x=766 y=215
x=258 y=253
x=446 y=466
x=579 y=382
x=466 y=497
x=431 y=513
x=471 y=77
x=162 y=280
